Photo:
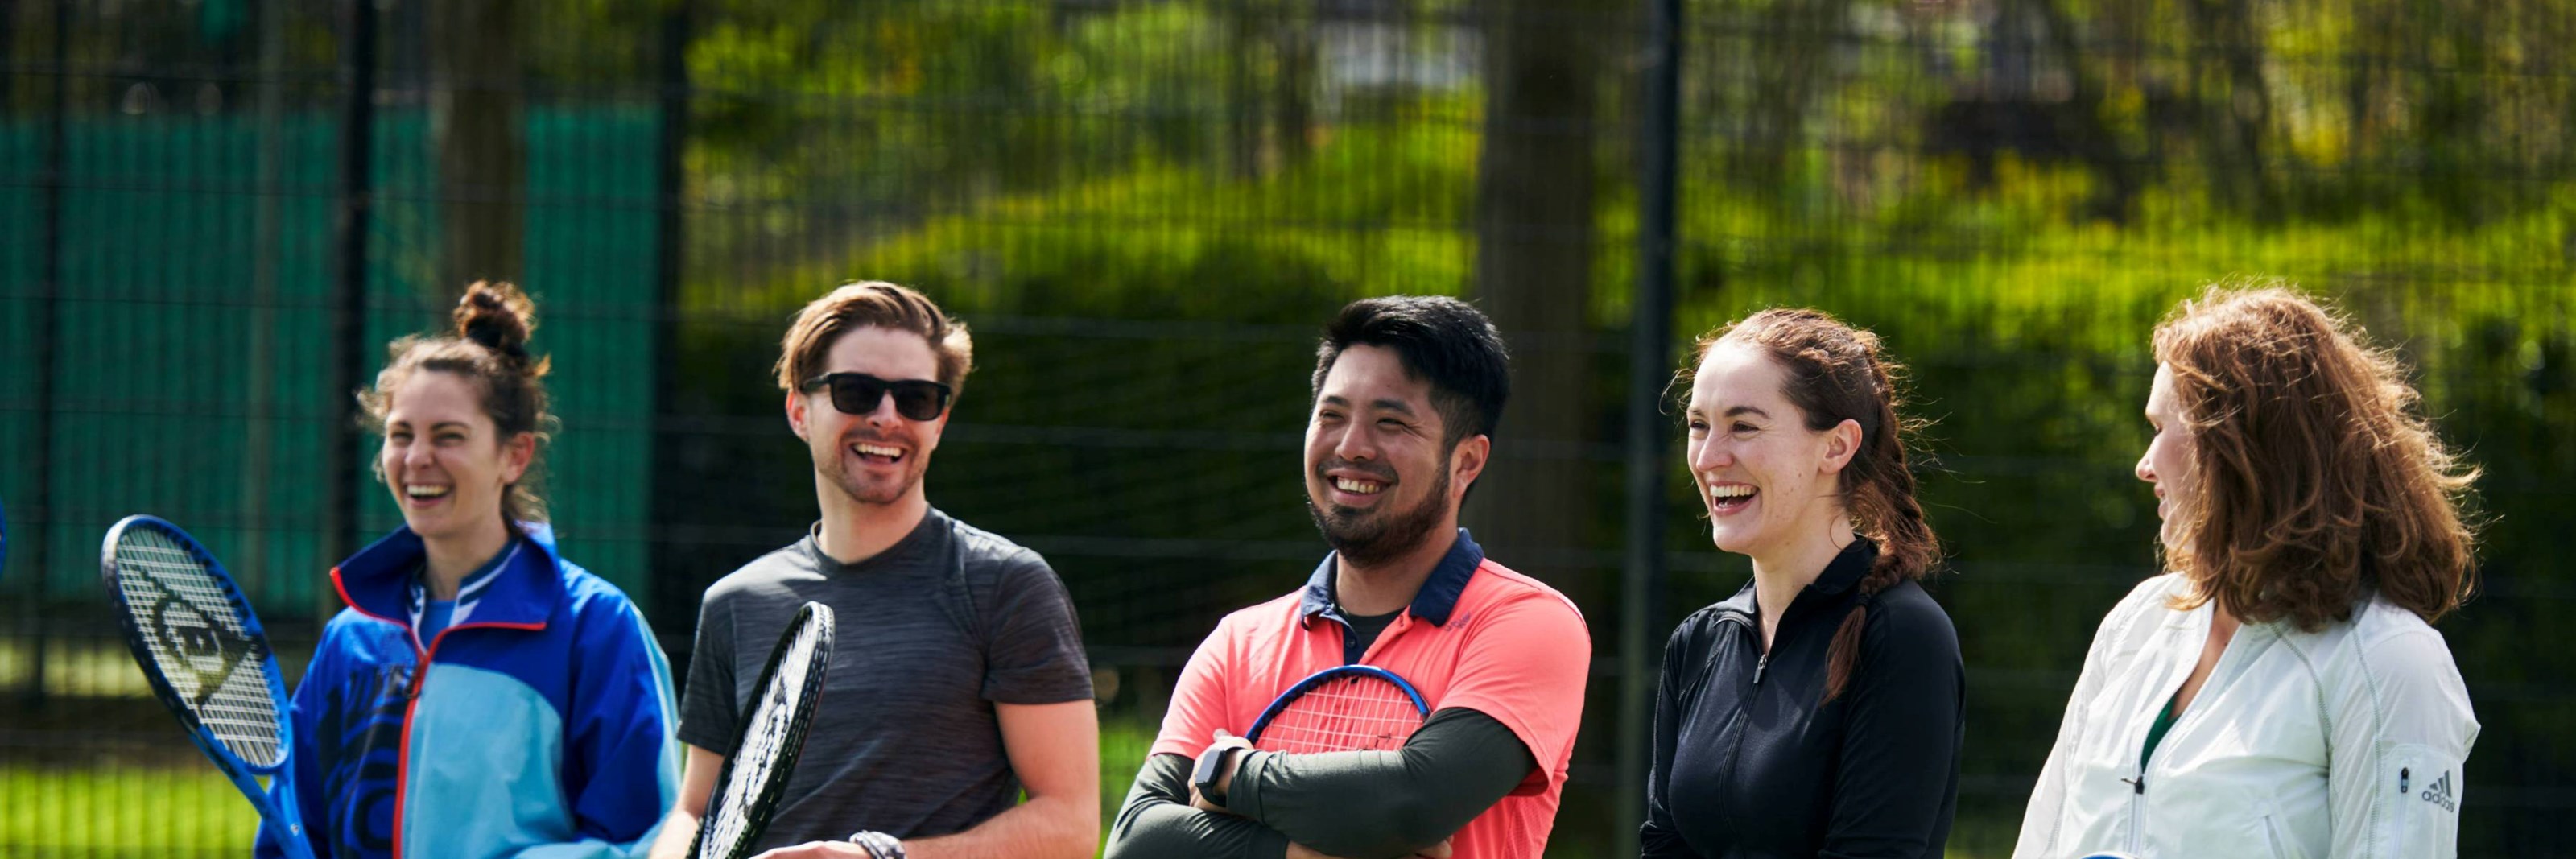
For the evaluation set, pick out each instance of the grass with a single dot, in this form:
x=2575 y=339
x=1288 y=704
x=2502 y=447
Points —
x=127 y=808
x=121 y=810
x=183 y=806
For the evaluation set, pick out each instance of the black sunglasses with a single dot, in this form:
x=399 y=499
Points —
x=859 y=394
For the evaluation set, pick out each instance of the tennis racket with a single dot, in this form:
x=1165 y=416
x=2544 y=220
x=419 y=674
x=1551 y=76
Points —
x=194 y=635
x=1341 y=709
x=754 y=778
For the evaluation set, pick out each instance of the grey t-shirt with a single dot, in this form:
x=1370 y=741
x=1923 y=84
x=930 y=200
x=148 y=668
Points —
x=928 y=636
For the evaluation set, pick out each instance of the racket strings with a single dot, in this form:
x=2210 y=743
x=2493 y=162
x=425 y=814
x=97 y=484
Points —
x=1341 y=715
x=224 y=681
x=763 y=740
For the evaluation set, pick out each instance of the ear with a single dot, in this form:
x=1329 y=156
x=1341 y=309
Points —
x=516 y=453
x=1841 y=444
x=1467 y=462
x=796 y=413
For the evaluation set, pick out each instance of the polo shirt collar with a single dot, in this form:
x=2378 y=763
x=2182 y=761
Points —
x=1434 y=602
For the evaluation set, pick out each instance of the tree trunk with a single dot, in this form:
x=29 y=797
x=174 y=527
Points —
x=475 y=76
x=1292 y=108
x=1534 y=204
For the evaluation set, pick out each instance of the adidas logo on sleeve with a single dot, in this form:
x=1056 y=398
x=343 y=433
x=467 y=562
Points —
x=2437 y=793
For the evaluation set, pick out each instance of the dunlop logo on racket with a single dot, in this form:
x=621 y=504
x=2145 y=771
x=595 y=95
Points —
x=189 y=638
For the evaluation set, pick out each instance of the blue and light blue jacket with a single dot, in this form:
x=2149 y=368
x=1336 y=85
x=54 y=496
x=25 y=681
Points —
x=541 y=726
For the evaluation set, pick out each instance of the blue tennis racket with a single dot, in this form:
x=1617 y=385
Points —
x=1344 y=708
x=197 y=641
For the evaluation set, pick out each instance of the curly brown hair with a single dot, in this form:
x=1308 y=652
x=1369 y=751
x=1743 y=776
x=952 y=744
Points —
x=1836 y=372
x=2317 y=481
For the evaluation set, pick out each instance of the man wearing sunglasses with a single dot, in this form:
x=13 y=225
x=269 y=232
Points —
x=961 y=680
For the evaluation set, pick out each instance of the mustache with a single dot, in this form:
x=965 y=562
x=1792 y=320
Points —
x=861 y=433
x=1383 y=473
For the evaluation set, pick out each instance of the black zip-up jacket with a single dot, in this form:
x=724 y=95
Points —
x=1748 y=765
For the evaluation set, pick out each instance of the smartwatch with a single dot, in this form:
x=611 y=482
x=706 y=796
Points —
x=1210 y=767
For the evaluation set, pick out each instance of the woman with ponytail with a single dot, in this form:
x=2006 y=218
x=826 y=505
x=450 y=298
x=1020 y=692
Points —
x=1817 y=712
x=480 y=696
x=2279 y=690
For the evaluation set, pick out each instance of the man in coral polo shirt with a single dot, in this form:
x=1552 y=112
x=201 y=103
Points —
x=1407 y=391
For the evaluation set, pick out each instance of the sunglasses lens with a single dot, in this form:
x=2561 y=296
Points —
x=856 y=395
x=919 y=401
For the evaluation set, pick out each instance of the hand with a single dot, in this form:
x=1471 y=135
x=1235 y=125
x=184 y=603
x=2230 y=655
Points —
x=819 y=850
x=1436 y=851
x=1224 y=779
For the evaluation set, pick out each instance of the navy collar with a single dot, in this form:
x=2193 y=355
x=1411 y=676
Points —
x=521 y=590
x=1437 y=598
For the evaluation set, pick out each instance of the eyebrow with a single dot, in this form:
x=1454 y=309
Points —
x=1386 y=404
x=1747 y=410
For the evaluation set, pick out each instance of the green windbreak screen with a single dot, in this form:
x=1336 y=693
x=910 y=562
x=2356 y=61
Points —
x=191 y=331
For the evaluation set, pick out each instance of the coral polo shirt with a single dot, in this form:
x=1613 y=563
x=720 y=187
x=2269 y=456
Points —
x=1477 y=635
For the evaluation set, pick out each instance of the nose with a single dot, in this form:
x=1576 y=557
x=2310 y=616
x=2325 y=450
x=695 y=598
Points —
x=416 y=455
x=1710 y=455
x=881 y=413
x=2146 y=471
x=1355 y=444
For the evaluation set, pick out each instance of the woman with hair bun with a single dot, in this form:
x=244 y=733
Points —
x=2279 y=690
x=480 y=696
x=1818 y=711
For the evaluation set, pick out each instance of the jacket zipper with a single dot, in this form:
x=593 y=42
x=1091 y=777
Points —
x=411 y=692
x=1735 y=753
x=411 y=702
x=2137 y=804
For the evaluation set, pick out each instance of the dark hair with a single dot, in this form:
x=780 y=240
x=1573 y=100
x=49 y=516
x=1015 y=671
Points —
x=2317 y=482
x=872 y=304
x=490 y=350
x=1441 y=340
x=1835 y=372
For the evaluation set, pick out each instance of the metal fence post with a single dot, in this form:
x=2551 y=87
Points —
x=41 y=514
x=1650 y=347
x=348 y=314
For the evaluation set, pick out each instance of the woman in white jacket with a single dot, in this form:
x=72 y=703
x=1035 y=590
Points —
x=2280 y=691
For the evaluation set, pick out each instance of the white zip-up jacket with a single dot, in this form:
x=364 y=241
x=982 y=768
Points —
x=2345 y=743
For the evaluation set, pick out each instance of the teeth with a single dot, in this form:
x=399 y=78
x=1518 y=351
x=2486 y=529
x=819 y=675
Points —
x=1731 y=491
x=880 y=450
x=419 y=491
x=1359 y=487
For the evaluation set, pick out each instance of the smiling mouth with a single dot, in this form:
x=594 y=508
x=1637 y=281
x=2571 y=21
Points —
x=1730 y=498
x=423 y=492
x=877 y=454
x=1357 y=486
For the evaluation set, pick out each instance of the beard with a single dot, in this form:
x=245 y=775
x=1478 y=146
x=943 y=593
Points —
x=834 y=465
x=1372 y=537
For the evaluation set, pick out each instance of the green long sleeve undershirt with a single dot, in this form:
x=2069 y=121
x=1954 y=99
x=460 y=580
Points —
x=1360 y=805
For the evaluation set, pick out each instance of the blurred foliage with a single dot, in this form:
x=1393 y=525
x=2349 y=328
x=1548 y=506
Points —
x=2012 y=206
x=1145 y=209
